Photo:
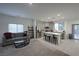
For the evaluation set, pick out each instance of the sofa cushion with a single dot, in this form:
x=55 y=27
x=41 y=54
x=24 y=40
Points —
x=14 y=35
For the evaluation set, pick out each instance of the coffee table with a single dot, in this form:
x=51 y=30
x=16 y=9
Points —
x=20 y=44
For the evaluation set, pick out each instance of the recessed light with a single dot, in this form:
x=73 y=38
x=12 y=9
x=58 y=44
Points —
x=49 y=17
x=58 y=15
x=30 y=3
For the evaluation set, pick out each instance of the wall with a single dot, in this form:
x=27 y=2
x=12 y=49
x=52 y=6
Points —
x=69 y=23
x=40 y=25
x=68 y=26
x=6 y=19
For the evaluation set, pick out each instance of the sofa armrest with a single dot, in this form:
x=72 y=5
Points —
x=6 y=42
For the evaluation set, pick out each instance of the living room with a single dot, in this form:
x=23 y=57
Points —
x=35 y=22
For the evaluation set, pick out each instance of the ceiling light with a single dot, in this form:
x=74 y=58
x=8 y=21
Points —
x=30 y=3
x=49 y=17
x=58 y=15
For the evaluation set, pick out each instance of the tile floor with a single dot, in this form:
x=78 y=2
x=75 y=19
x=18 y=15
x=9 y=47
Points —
x=35 y=48
x=70 y=47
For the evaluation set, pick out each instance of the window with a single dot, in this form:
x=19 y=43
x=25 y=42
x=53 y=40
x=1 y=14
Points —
x=59 y=26
x=14 y=28
x=56 y=26
x=75 y=31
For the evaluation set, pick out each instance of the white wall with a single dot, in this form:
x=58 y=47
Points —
x=68 y=26
x=41 y=25
x=69 y=23
x=6 y=19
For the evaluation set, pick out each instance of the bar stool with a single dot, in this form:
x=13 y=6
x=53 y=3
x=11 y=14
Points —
x=55 y=40
x=51 y=39
x=44 y=36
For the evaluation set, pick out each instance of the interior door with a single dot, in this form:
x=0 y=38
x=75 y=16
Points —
x=75 y=31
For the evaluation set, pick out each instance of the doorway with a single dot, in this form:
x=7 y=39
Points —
x=75 y=31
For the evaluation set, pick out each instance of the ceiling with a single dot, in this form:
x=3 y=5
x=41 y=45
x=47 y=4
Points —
x=42 y=11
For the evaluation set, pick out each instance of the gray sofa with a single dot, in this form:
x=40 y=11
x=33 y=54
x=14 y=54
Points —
x=15 y=37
